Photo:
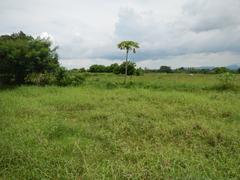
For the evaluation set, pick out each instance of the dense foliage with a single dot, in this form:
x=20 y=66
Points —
x=165 y=69
x=117 y=69
x=21 y=55
x=28 y=60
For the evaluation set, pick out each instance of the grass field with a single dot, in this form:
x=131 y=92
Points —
x=158 y=126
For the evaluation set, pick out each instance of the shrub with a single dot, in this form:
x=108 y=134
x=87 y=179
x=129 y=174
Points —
x=75 y=79
x=61 y=78
x=227 y=80
x=139 y=72
x=6 y=79
x=65 y=78
x=71 y=80
x=131 y=68
x=40 y=79
x=220 y=70
x=114 y=68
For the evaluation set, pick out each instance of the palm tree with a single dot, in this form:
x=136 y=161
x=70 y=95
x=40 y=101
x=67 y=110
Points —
x=128 y=46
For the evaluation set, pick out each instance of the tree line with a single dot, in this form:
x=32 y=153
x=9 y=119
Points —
x=120 y=69
x=115 y=68
x=28 y=60
x=192 y=70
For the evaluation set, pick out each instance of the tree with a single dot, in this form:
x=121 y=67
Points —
x=114 y=68
x=131 y=68
x=165 y=69
x=21 y=55
x=220 y=70
x=128 y=46
x=98 y=68
x=139 y=72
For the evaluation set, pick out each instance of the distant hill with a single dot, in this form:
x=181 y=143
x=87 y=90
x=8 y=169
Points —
x=206 y=67
x=231 y=67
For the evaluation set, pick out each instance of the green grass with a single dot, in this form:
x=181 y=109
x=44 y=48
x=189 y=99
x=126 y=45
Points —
x=156 y=127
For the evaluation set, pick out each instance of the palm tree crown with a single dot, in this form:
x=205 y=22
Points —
x=128 y=45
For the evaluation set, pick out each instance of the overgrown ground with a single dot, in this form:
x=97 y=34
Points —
x=156 y=127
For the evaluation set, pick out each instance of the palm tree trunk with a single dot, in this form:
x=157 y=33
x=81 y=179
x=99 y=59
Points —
x=126 y=68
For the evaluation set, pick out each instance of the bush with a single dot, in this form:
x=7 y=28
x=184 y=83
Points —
x=130 y=70
x=40 y=79
x=114 y=68
x=6 y=79
x=227 y=80
x=65 y=78
x=139 y=72
x=220 y=70
x=61 y=78
x=71 y=80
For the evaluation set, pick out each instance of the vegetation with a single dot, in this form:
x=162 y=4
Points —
x=21 y=55
x=227 y=80
x=28 y=60
x=128 y=46
x=165 y=69
x=157 y=126
x=117 y=69
x=87 y=124
x=192 y=70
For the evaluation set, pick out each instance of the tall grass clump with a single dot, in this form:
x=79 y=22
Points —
x=227 y=81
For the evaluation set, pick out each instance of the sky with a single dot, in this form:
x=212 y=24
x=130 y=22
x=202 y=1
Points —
x=176 y=33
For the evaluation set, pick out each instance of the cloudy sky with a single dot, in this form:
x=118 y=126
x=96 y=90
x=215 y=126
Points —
x=175 y=32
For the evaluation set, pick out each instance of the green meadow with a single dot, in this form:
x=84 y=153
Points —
x=157 y=126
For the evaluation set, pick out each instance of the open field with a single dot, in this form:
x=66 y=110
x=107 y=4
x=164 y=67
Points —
x=158 y=126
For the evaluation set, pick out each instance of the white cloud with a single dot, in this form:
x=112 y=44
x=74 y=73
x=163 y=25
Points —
x=193 y=60
x=86 y=63
x=46 y=35
x=175 y=32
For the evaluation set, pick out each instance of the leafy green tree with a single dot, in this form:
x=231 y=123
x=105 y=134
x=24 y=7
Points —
x=98 y=68
x=180 y=70
x=131 y=68
x=139 y=72
x=220 y=70
x=21 y=55
x=128 y=46
x=114 y=68
x=165 y=69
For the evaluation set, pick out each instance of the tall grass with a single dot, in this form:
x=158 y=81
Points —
x=156 y=127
